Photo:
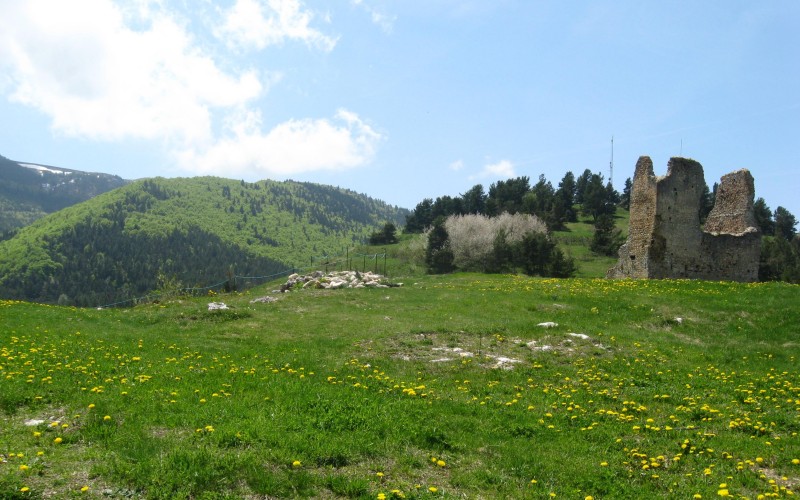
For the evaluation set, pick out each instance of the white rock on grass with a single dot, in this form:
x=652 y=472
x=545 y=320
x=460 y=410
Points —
x=581 y=336
x=548 y=324
x=217 y=306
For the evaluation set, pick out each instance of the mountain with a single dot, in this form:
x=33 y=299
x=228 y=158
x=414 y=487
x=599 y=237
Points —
x=30 y=191
x=129 y=241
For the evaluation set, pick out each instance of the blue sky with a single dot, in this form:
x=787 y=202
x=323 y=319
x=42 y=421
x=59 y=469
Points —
x=403 y=100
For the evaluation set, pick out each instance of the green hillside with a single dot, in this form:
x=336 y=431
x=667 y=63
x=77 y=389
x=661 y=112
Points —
x=189 y=231
x=30 y=191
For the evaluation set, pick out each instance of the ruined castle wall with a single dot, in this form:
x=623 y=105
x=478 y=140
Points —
x=665 y=238
x=730 y=257
x=677 y=232
x=634 y=254
x=733 y=207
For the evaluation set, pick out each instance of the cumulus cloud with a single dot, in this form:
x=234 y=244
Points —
x=95 y=77
x=295 y=146
x=110 y=71
x=503 y=169
x=259 y=23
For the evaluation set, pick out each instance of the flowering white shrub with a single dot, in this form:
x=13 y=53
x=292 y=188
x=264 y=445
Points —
x=472 y=236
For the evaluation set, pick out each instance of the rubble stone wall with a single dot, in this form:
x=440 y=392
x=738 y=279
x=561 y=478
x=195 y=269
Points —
x=665 y=239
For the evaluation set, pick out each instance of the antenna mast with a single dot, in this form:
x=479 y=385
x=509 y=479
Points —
x=611 y=163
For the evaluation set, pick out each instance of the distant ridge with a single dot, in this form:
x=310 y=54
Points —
x=29 y=191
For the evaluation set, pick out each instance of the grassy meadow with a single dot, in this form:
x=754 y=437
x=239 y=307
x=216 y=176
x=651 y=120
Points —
x=446 y=387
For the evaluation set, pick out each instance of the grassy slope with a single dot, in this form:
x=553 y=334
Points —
x=352 y=385
x=575 y=242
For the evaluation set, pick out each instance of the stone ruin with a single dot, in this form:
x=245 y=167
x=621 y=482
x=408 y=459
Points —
x=665 y=239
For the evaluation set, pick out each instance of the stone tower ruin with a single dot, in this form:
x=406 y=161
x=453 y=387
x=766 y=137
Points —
x=665 y=239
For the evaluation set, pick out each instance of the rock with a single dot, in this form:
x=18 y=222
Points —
x=264 y=300
x=548 y=324
x=337 y=280
x=217 y=306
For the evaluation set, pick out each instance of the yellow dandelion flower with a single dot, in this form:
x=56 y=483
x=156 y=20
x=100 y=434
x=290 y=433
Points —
x=107 y=418
x=58 y=440
x=297 y=463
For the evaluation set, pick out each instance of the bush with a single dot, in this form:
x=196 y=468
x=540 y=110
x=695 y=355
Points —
x=473 y=237
x=438 y=255
x=506 y=243
x=386 y=236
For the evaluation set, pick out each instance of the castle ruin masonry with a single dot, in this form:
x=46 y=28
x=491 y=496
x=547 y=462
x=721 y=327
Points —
x=665 y=239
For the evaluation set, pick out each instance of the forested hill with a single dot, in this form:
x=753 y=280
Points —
x=126 y=242
x=29 y=191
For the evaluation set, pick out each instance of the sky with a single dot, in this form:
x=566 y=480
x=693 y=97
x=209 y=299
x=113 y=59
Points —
x=407 y=99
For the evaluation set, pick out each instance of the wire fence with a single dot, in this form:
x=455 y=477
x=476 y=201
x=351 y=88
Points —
x=326 y=263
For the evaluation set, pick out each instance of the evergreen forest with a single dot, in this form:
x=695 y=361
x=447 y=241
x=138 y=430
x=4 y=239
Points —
x=29 y=193
x=189 y=232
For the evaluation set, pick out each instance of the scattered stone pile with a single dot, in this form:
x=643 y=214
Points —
x=338 y=279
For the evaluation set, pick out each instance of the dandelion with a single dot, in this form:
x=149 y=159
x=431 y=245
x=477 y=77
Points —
x=433 y=489
x=24 y=489
x=23 y=468
x=441 y=463
x=107 y=418
x=381 y=496
x=58 y=440
x=296 y=464
x=84 y=489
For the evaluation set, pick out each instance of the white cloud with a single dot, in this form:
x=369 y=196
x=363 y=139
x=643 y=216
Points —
x=293 y=147
x=107 y=72
x=456 y=165
x=385 y=21
x=95 y=77
x=258 y=24
x=503 y=169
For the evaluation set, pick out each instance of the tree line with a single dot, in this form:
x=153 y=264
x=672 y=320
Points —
x=554 y=206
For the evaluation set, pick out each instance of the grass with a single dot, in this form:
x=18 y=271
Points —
x=445 y=387
x=576 y=239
